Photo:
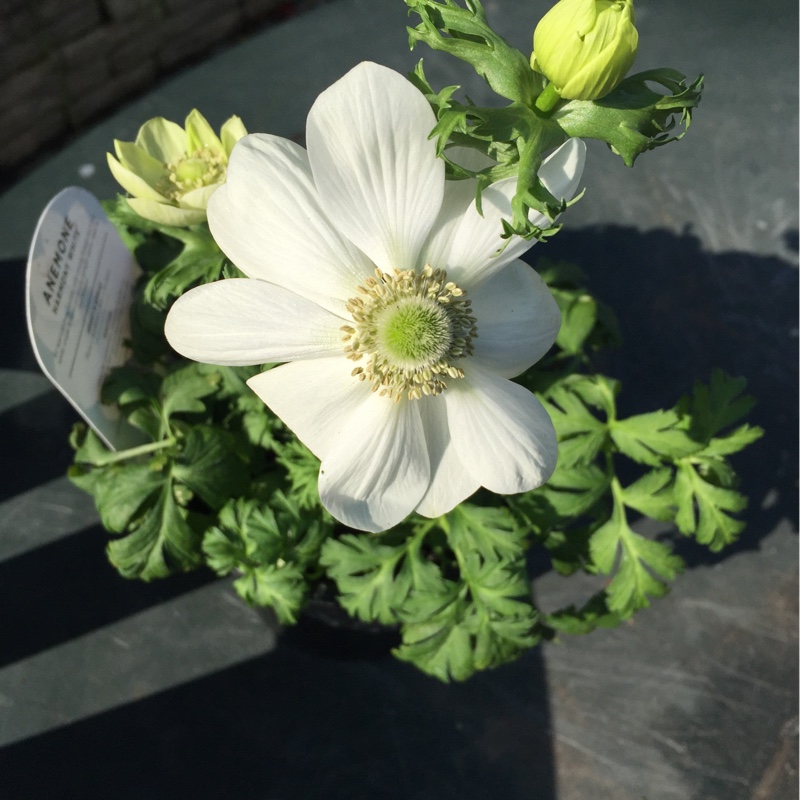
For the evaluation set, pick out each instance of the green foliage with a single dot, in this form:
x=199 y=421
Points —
x=688 y=481
x=456 y=586
x=180 y=257
x=643 y=566
x=654 y=438
x=218 y=480
x=165 y=492
x=274 y=548
x=633 y=118
x=465 y=34
x=302 y=471
x=482 y=618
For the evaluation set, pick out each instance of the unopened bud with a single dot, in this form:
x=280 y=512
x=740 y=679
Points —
x=585 y=47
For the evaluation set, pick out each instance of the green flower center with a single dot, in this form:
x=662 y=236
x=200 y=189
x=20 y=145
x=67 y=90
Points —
x=203 y=167
x=410 y=328
x=414 y=331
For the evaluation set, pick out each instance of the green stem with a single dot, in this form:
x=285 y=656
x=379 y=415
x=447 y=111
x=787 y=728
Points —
x=548 y=99
x=141 y=450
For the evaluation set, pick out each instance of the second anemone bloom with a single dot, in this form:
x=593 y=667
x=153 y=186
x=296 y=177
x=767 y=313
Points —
x=380 y=284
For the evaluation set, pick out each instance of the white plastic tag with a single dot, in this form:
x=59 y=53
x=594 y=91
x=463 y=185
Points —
x=79 y=288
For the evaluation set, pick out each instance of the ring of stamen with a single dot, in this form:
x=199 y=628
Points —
x=410 y=328
x=201 y=168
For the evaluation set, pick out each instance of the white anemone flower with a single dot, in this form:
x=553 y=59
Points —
x=380 y=284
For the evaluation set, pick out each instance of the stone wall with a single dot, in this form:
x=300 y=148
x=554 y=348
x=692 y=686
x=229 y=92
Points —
x=64 y=62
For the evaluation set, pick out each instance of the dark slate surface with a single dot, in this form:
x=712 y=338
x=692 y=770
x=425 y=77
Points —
x=112 y=689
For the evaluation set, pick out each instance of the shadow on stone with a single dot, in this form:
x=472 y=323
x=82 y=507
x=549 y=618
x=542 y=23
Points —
x=684 y=311
x=67 y=589
x=292 y=726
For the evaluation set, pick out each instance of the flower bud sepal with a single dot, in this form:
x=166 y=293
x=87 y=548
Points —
x=634 y=118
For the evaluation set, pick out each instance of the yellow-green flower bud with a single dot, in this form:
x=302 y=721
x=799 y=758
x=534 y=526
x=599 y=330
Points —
x=170 y=172
x=585 y=47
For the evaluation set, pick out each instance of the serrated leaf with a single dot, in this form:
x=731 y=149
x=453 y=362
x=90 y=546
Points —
x=644 y=569
x=371 y=587
x=465 y=34
x=488 y=531
x=731 y=443
x=200 y=261
x=593 y=614
x=581 y=434
x=574 y=490
x=182 y=391
x=644 y=565
x=450 y=634
x=303 y=531
x=654 y=437
x=652 y=495
x=253 y=529
x=704 y=509
x=633 y=118
x=498 y=588
x=208 y=465
x=437 y=643
x=161 y=543
x=120 y=491
x=281 y=588
x=597 y=391
x=223 y=552
x=718 y=404
x=578 y=318
x=302 y=470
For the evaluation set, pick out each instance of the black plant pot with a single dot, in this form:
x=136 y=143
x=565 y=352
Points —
x=326 y=629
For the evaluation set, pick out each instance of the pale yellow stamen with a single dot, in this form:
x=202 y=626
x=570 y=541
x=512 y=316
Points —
x=203 y=167
x=409 y=327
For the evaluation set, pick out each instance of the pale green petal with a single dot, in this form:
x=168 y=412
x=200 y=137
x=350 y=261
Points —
x=132 y=183
x=164 y=140
x=198 y=198
x=140 y=162
x=166 y=215
x=200 y=134
x=231 y=132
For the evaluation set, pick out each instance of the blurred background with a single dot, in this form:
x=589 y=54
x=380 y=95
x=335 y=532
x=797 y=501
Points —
x=114 y=689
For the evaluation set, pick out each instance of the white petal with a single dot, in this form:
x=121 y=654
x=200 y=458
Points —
x=518 y=320
x=450 y=482
x=378 y=468
x=268 y=220
x=314 y=398
x=242 y=321
x=562 y=170
x=374 y=166
x=502 y=433
x=465 y=243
